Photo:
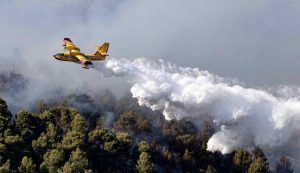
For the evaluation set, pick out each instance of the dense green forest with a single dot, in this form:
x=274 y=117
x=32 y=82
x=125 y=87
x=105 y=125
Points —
x=109 y=134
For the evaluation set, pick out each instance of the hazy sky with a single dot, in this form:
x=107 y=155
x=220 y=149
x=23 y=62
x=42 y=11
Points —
x=254 y=41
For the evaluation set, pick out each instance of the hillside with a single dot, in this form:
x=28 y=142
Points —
x=79 y=134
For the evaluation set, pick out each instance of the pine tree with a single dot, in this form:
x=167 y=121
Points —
x=188 y=160
x=5 y=115
x=144 y=147
x=186 y=140
x=258 y=165
x=77 y=163
x=52 y=161
x=27 y=165
x=211 y=169
x=143 y=125
x=77 y=134
x=283 y=165
x=41 y=106
x=15 y=147
x=144 y=164
x=46 y=140
x=5 y=168
x=3 y=149
x=126 y=122
x=241 y=161
x=28 y=125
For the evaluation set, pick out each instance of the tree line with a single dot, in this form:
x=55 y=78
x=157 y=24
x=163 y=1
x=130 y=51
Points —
x=109 y=134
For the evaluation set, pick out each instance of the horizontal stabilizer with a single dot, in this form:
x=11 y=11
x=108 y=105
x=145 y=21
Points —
x=102 y=50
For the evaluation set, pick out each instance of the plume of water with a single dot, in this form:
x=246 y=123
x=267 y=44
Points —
x=245 y=116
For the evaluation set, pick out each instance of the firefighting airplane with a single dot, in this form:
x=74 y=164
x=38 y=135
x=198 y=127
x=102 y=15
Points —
x=74 y=54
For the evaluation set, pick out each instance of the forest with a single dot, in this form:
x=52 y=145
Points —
x=114 y=134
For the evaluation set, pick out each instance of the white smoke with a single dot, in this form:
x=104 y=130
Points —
x=246 y=116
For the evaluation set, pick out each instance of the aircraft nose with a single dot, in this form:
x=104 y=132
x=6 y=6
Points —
x=57 y=56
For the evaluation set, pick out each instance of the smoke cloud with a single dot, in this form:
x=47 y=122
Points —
x=252 y=41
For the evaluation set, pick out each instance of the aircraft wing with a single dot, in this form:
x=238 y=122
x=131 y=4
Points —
x=69 y=45
x=83 y=59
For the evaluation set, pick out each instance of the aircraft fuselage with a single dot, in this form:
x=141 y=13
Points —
x=65 y=57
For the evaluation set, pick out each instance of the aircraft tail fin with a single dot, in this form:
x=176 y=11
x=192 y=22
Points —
x=102 y=50
x=67 y=41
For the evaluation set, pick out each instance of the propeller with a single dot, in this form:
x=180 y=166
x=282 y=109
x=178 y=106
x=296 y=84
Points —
x=64 y=47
